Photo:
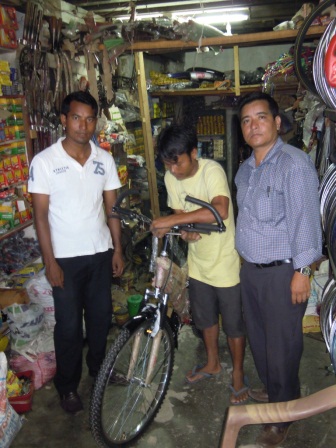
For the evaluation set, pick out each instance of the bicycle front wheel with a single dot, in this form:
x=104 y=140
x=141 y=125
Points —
x=128 y=393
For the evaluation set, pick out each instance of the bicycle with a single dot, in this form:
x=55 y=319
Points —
x=135 y=375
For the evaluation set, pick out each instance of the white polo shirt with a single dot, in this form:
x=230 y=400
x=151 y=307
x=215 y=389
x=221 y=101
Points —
x=76 y=212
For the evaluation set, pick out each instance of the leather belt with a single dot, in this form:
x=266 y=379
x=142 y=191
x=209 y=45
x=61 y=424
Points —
x=273 y=263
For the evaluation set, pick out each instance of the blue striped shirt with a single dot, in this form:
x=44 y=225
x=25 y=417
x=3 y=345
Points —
x=279 y=210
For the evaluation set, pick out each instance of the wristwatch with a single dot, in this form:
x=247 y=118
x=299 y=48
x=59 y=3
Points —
x=305 y=271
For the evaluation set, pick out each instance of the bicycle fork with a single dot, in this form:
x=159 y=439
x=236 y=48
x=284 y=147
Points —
x=155 y=332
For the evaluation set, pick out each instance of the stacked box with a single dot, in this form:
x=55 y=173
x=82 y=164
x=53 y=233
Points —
x=8 y=27
x=123 y=174
x=210 y=125
x=135 y=144
x=168 y=109
x=14 y=210
x=218 y=149
x=13 y=168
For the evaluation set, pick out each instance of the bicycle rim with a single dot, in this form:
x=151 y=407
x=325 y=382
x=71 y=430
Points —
x=302 y=74
x=122 y=405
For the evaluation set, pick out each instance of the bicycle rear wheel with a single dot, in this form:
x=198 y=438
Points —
x=123 y=402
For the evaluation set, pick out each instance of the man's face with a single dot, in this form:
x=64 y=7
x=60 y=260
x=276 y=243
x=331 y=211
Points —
x=80 y=122
x=185 y=166
x=259 y=127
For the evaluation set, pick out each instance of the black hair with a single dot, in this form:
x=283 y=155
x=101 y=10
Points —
x=176 y=140
x=255 y=96
x=81 y=97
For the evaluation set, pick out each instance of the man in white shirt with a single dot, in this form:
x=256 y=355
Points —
x=73 y=183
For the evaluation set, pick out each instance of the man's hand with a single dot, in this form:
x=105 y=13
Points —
x=117 y=264
x=161 y=226
x=55 y=275
x=300 y=287
x=190 y=237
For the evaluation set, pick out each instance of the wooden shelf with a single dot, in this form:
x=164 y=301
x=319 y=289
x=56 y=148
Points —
x=16 y=229
x=15 y=184
x=242 y=40
x=15 y=140
x=4 y=50
x=205 y=92
x=222 y=92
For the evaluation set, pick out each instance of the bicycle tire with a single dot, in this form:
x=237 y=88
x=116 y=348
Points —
x=298 y=67
x=121 y=409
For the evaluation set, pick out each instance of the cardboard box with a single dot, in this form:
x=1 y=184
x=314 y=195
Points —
x=9 y=296
x=8 y=18
x=6 y=210
x=8 y=39
x=311 y=324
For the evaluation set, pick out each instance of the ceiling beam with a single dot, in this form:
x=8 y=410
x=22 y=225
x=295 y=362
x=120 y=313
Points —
x=114 y=8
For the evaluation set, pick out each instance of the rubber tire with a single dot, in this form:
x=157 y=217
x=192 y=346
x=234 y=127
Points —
x=109 y=400
x=299 y=70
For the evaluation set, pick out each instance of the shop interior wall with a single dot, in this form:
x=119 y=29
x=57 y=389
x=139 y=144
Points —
x=250 y=58
x=153 y=62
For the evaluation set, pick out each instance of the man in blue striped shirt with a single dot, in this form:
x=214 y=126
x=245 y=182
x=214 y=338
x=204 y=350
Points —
x=278 y=236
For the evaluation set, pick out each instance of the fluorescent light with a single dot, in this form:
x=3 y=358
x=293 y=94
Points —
x=210 y=11
x=221 y=18
x=140 y=16
x=213 y=16
x=206 y=17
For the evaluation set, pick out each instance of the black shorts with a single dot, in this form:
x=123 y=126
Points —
x=207 y=302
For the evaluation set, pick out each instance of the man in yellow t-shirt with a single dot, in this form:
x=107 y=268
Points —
x=212 y=259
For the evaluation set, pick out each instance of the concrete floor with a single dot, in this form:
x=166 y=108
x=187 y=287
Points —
x=192 y=415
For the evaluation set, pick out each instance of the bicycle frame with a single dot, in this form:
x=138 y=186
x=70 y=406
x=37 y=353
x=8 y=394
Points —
x=135 y=374
x=148 y=311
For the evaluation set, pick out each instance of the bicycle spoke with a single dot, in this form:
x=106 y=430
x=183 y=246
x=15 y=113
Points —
x=123 y=404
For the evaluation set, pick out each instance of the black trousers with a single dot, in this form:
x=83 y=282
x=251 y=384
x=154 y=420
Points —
x=274 y=328
x=87 y=288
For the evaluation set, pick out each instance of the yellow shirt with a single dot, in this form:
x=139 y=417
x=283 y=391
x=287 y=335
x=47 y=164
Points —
x=213 y=259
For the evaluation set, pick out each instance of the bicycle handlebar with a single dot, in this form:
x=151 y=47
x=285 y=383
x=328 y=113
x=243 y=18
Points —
x=197 y=227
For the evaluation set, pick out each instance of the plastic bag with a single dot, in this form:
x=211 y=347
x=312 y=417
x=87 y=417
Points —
x=10 y=421
x=40 y=291
x=318 y=283
x=43 y=343
x=25 y=323
x=43 y=365
x=176 y=286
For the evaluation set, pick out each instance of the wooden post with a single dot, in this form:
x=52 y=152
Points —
x=147 y=132
x=236 y=69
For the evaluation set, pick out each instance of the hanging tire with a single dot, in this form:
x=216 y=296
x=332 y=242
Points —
x=304 y=77
x=122 y=404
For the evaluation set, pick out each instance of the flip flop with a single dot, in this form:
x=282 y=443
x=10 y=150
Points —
x=203 y=375
x=239 y=393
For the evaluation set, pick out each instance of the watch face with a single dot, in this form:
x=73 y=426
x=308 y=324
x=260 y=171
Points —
x=306 y=270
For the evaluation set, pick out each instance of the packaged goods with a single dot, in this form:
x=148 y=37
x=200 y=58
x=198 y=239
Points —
x=10 y=422
x=8 y=18
x=23 y=402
